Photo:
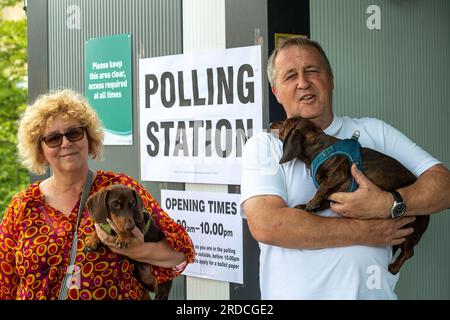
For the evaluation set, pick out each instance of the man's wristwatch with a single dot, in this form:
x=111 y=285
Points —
x=399 y=207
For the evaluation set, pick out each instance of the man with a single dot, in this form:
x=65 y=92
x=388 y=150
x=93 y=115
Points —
x=338 y=253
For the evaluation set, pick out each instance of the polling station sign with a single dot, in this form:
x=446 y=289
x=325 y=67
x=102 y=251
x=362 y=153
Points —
x=197 y=110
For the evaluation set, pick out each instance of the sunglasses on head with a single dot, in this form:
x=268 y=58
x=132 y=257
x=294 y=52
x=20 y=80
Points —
x=54 y=140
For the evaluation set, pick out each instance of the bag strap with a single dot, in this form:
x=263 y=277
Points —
x=73 y=253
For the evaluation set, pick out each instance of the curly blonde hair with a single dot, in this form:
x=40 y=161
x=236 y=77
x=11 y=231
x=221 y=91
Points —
x=39 y=116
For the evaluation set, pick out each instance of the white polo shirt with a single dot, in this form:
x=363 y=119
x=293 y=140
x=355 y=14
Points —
x=353 y=272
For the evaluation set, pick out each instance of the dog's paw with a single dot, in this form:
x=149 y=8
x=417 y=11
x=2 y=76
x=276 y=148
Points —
x=121 y=244
x=312 y=207
x=90 y=244
x=300 y=206
x=394 y=268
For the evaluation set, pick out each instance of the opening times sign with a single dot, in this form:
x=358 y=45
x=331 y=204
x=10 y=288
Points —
x=214 y=223
x=197 y=110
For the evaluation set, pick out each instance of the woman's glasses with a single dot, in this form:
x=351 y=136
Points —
x=54 y=140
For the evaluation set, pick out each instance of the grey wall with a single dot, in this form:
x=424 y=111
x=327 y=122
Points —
x=246 y=25
x=401 y=74
x=156 y=28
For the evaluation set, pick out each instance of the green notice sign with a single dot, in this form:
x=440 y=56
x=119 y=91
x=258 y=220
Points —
x=108 y=85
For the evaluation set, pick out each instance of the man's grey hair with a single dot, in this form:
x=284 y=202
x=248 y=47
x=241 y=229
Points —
x=294 y=41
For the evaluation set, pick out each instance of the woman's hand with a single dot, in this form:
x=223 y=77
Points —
x=135 y=243
x=155 y=253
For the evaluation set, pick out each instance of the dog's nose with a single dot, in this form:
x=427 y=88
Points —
x=129 y=226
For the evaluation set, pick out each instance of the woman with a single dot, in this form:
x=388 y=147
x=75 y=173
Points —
x=60 y=131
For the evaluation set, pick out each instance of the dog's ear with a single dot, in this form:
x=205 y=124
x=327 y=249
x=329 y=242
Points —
x=97 y=207
x=277 y=129
x=292 y=146
x=138 y=214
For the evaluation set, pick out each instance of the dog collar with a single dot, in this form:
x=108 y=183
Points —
x=107 y=227
x=349 y=148
x=147 y=227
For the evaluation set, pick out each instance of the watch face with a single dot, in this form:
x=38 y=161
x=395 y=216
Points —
x=398 y=210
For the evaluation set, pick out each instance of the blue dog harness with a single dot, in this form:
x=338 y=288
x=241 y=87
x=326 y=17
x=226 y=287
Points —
x=349 y=148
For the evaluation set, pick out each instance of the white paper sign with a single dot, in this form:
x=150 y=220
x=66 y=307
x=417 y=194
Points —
x=197 y=110
x=214 y=223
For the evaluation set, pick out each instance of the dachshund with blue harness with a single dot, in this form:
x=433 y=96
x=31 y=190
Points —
x=330 y=159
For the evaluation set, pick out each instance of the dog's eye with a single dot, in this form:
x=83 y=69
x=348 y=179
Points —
x=115 y=204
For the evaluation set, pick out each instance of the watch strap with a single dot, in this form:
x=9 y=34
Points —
x=398 y=208
x=397 y=196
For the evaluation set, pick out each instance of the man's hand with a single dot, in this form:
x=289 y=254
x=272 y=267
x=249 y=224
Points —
x=367 y=202
x=382 y=232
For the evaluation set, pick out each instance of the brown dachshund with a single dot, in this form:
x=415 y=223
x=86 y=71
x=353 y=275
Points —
x=123 y=206
x=304 y=140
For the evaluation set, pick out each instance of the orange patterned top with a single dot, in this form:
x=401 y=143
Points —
x=36 y=239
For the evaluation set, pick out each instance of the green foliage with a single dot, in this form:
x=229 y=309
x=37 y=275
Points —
x=8 y=3
x=13 y=97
